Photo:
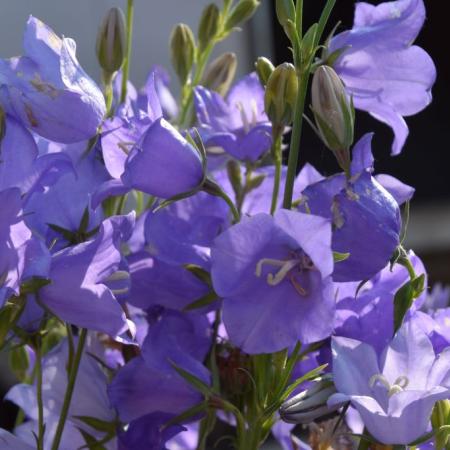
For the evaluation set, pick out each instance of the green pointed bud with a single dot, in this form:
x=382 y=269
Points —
x=286 y=16
x=311 y=404
x=112 y=41
x=281 y=95
x=182 y=51
x=220 y=73
x=243 y=11
x=440 y=419
x=264 y=69
x=208 y=26
x=334 y=113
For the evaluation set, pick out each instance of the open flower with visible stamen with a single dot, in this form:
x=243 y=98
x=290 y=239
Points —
x=237 y=124
x=274 y=274
x=395 y=393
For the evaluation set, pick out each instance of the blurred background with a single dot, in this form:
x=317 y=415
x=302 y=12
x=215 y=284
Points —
x=423 y=164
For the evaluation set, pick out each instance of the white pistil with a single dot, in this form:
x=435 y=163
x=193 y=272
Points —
x=244 y=117
x=399 y=384
x=274 y=280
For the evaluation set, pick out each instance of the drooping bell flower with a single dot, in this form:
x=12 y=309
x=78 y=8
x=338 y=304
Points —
x=78 y=293
x=149 y=383
x=366 y=217
x=367 y=314
x=22 y=255
x=48 y=91
x=274 y=275
x=21 y=165
x=385 y=74
x=396 y=391
x=237 y=124
x=155 y=282
x=63 y=212
x=183 y=232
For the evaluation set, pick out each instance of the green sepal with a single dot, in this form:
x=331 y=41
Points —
x=235 y=177
x=339 y=257
x=199 y=273
x=195 y=382
x=34 y=284
x=404 y=298
x=98 y=424
x=308 y=45
x=188 y=414
x=202 y=302
x=91 y=442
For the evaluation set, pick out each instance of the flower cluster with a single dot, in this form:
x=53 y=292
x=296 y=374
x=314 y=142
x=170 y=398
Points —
x=162 y=269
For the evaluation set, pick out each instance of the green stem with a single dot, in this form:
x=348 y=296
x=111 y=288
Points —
x=231 y=205
x=294 y=150
x=276 y=150
x=69 y=390
x=40 y=402
x=126 y=64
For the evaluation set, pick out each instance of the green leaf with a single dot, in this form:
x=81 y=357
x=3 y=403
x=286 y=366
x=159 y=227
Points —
x=19 y=362
x=97 y=424
x=206 y=300
x=338 y=257
x=404 y=298
x=189 y=413
x=195 y=382
x=91 y=442
x=199 y=273
x=309 y=376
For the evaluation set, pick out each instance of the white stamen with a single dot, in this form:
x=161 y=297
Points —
x=270 y=262
x=244 y=117
x=254 y=108
x=398 y=386
x=274 y=280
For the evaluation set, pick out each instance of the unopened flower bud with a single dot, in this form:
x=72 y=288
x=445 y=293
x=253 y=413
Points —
x=208 y=26
x=112 y=41
x=281 y=95
x=286 y=16
x=243 y=11
x=333 y=111
x=220 y=73
x=182 y=51
x=264 y=69
x=311 y=404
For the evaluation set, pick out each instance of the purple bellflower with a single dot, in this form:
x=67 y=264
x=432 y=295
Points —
x=148 y=383
x=273 y=274
x=237 y=124
x=78 y=293
x=22 y=167
x=66 y=204
x=48 y=91
x=163 y=164
x=366 y=217
x=386 y=75
x=183 y=232
x=22 y=255
x=394 y=393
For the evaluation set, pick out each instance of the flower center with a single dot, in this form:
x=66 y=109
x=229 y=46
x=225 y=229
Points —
x=248 y=123
x=285 y=270
x=399 y=384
